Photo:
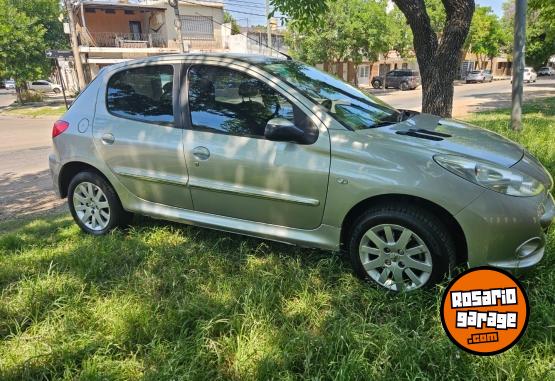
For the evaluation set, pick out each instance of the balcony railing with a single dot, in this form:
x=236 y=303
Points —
x=122 y=40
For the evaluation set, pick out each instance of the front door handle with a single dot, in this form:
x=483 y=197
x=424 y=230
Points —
x=201 y=153
x=108 y=139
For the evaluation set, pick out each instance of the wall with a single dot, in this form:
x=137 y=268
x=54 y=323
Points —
x=100 y=21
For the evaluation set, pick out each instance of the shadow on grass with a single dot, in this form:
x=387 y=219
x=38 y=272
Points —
x=162 y=299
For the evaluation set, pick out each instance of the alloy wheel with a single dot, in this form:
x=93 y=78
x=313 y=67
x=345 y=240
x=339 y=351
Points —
x=395 y=257
x=91 y=206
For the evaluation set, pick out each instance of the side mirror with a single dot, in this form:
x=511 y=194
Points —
x=283 y=130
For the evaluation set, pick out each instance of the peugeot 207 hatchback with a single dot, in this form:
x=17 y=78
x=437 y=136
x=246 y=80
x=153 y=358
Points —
x=280 y=150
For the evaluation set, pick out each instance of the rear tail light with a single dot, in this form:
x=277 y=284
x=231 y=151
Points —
x=59 y=127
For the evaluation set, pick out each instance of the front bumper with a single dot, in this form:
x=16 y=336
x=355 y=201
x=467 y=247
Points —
x=505 y=231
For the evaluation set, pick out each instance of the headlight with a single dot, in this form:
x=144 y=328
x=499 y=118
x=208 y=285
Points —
x=503 y=180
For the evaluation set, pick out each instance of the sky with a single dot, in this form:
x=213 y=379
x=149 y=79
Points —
x=496 y=5
x=252 y=11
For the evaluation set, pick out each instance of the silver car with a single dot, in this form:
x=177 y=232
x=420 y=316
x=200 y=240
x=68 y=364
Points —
x=479 y=76
x=279 y=150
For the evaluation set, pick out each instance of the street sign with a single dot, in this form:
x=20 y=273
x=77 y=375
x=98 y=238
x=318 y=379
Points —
x=58 y=53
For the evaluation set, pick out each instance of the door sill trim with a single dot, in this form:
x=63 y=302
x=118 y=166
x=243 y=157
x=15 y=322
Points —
x=324 y=237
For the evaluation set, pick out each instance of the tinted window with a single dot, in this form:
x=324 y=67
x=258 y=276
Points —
x=144 y=94
x=227 y=101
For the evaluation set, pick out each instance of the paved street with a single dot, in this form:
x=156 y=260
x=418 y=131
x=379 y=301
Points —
x=25 y=186
x=471 y=97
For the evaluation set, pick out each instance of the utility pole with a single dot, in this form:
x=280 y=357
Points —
x=75 y=46
x=177 y=23
x=518 y=64
x=268 y=27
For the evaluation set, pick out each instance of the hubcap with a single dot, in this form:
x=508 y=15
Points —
x=395 y=257
x=91 y=206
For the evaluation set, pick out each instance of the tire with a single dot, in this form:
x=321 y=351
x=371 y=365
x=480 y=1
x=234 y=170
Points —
x=57 y=91
x=404 y=86
x=428 y=240
x=107 y=212
x=376 y=84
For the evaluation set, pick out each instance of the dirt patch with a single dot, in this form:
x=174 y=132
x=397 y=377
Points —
x=27 y=194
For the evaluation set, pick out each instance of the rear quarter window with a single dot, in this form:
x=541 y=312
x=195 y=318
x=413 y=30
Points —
x=142 y=94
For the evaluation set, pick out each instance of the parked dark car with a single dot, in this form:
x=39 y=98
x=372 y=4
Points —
x=403 y=79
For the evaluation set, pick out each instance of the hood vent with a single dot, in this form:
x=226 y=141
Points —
x=424 y=134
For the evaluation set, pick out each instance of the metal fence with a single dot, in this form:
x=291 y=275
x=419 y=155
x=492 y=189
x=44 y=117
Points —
x=124 y=40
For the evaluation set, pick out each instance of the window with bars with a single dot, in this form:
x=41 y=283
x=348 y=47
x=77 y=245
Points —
x=197 y=27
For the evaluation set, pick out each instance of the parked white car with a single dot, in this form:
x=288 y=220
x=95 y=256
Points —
x=44 y=86
x=546 y=70
x=530 y=75
x=9 y=84
x=479 y=76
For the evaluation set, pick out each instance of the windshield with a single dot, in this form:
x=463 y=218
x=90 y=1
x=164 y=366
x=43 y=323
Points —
x=350 y=106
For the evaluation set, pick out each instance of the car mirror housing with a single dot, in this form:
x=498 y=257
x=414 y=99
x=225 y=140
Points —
x=283 y=130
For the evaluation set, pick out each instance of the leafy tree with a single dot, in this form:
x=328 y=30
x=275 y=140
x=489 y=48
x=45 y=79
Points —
x=486 y=38
x=438 y=54
x=540 y=32
x=355 y=30
x=21 y=46
x=228 y=18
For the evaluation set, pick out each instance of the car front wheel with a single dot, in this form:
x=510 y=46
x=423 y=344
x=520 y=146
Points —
x=94 y=204
x=376 y=84
x=57 y=91
x=401 y=248
x=404 y=86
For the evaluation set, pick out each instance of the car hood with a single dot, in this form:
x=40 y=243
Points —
x=451 y=136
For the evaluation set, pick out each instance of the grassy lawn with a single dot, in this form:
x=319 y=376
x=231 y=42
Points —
x=34 y=111
x=162 y=301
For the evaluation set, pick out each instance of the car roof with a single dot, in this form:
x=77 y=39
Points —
x=256 y=59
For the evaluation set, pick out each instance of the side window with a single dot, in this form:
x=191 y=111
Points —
x=143 y=94
x=230 y=102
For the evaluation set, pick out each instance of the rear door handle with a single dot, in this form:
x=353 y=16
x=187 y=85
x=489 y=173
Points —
x=201 y=153
x=108 y=139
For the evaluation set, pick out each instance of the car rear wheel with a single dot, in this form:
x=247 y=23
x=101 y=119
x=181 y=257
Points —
x=404 y=86
x=376 y=84
x=401 y=248
x=94 y=204
x=57 y=91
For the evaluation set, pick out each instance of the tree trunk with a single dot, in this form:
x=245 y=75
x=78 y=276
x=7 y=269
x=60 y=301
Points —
x=438 y=60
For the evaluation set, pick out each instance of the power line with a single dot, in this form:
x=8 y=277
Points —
x=243 y=34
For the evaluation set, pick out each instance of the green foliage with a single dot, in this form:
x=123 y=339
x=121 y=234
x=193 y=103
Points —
x=487 y=37
x=27 y=29
x=436 y=13
x=540 y=33
x=540 y=30
x=228 y=18
x=353 y=30
x=163 y=301
x=21 y=45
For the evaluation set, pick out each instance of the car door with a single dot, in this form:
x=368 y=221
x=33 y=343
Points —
x=137 y=135
x=234 y=171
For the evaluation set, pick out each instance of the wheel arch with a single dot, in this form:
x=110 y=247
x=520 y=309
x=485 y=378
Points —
x=445 y=216
x=72 y=168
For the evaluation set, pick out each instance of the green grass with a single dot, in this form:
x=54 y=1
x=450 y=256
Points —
x=35 y=111
x=163 y=301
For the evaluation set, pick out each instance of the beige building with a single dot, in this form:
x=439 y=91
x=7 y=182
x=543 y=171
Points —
x=113 y=31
